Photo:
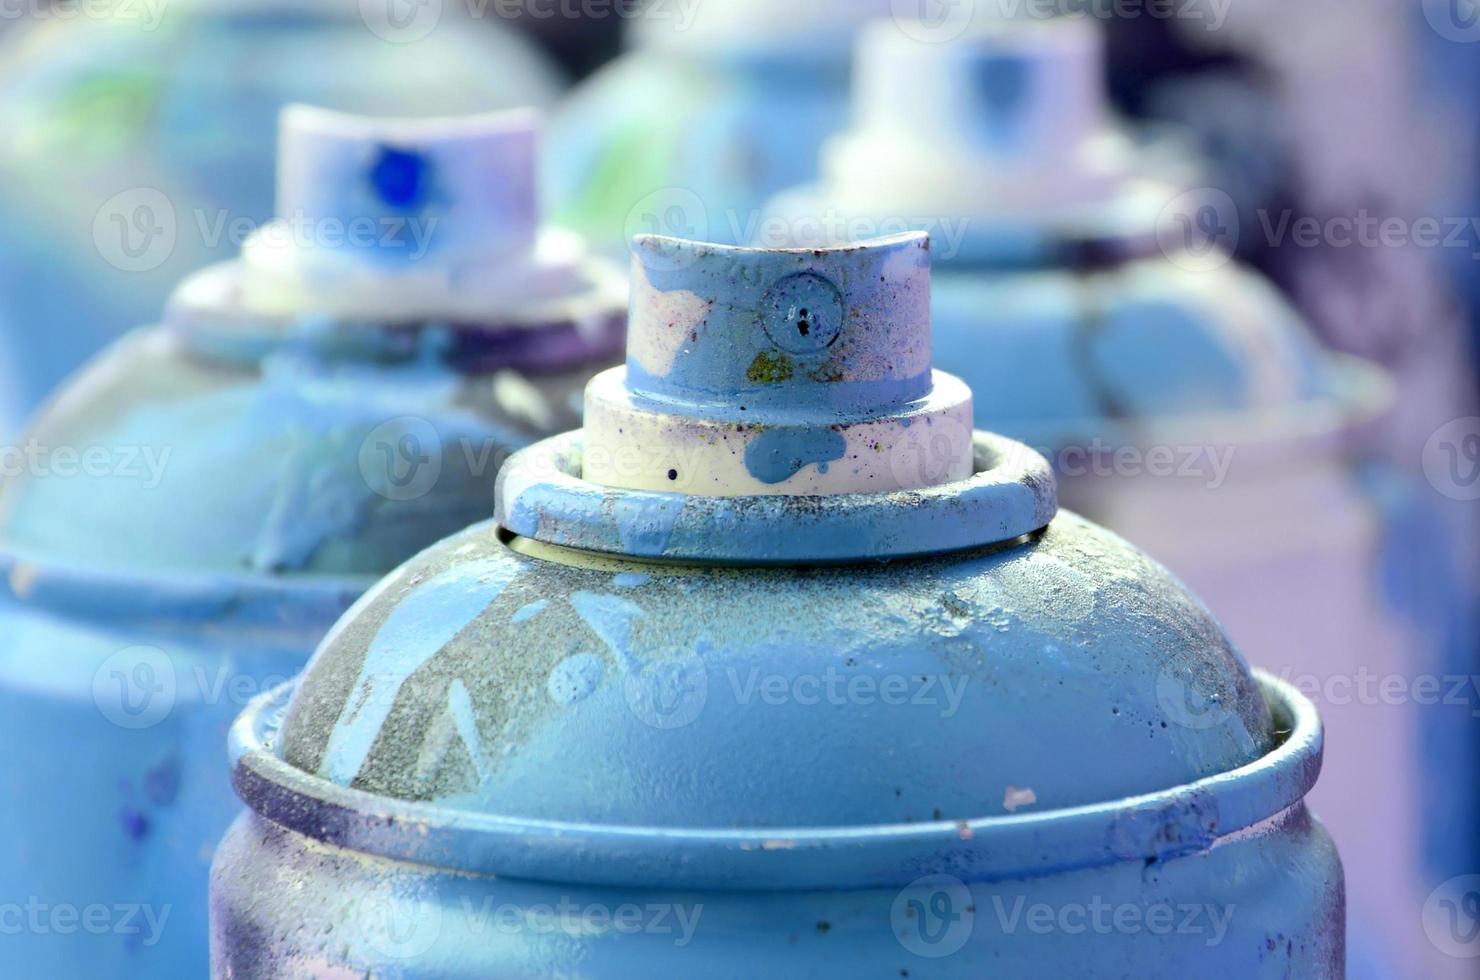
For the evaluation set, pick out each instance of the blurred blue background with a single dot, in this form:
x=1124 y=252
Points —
x=1330 y=147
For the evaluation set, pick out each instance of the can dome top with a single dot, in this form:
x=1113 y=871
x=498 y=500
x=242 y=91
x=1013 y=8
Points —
x=611 y=666
x=294 y=413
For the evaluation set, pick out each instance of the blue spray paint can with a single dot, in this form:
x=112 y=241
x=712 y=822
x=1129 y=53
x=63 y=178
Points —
x=715 y=107
x=141 y=144
x=1098 y=316
x=202 y=502
x=778 y=668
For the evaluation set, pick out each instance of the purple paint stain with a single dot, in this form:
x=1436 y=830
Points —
x=162 y=783
x=134 y=823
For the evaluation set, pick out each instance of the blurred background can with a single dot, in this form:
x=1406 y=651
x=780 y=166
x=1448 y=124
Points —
x=208 y=496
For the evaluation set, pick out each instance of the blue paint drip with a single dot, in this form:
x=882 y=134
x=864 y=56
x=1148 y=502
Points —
x=610 y=617
x=574 y=678
x=529 y=611
x=464 y=720
x=779 y=454
x=434 y=613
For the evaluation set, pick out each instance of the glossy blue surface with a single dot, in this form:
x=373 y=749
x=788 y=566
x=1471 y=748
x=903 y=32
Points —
x=828 y=751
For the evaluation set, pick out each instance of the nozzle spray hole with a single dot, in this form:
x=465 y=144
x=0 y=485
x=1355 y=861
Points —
x=803 y=313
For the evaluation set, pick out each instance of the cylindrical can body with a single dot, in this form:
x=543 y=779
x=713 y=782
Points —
x=780 y=652
x=1266 y=901
x=118 y=795
x=144 y=602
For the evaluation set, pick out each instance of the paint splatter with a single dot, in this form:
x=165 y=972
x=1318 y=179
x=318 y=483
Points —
x=529 y=611
x=610 y=617
x=134 y=823
x=418 y=629
x=162 y=783
x=780 y=454
x=574 y=678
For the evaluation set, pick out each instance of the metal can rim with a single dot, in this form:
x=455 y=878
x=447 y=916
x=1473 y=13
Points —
x=1152 y=827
